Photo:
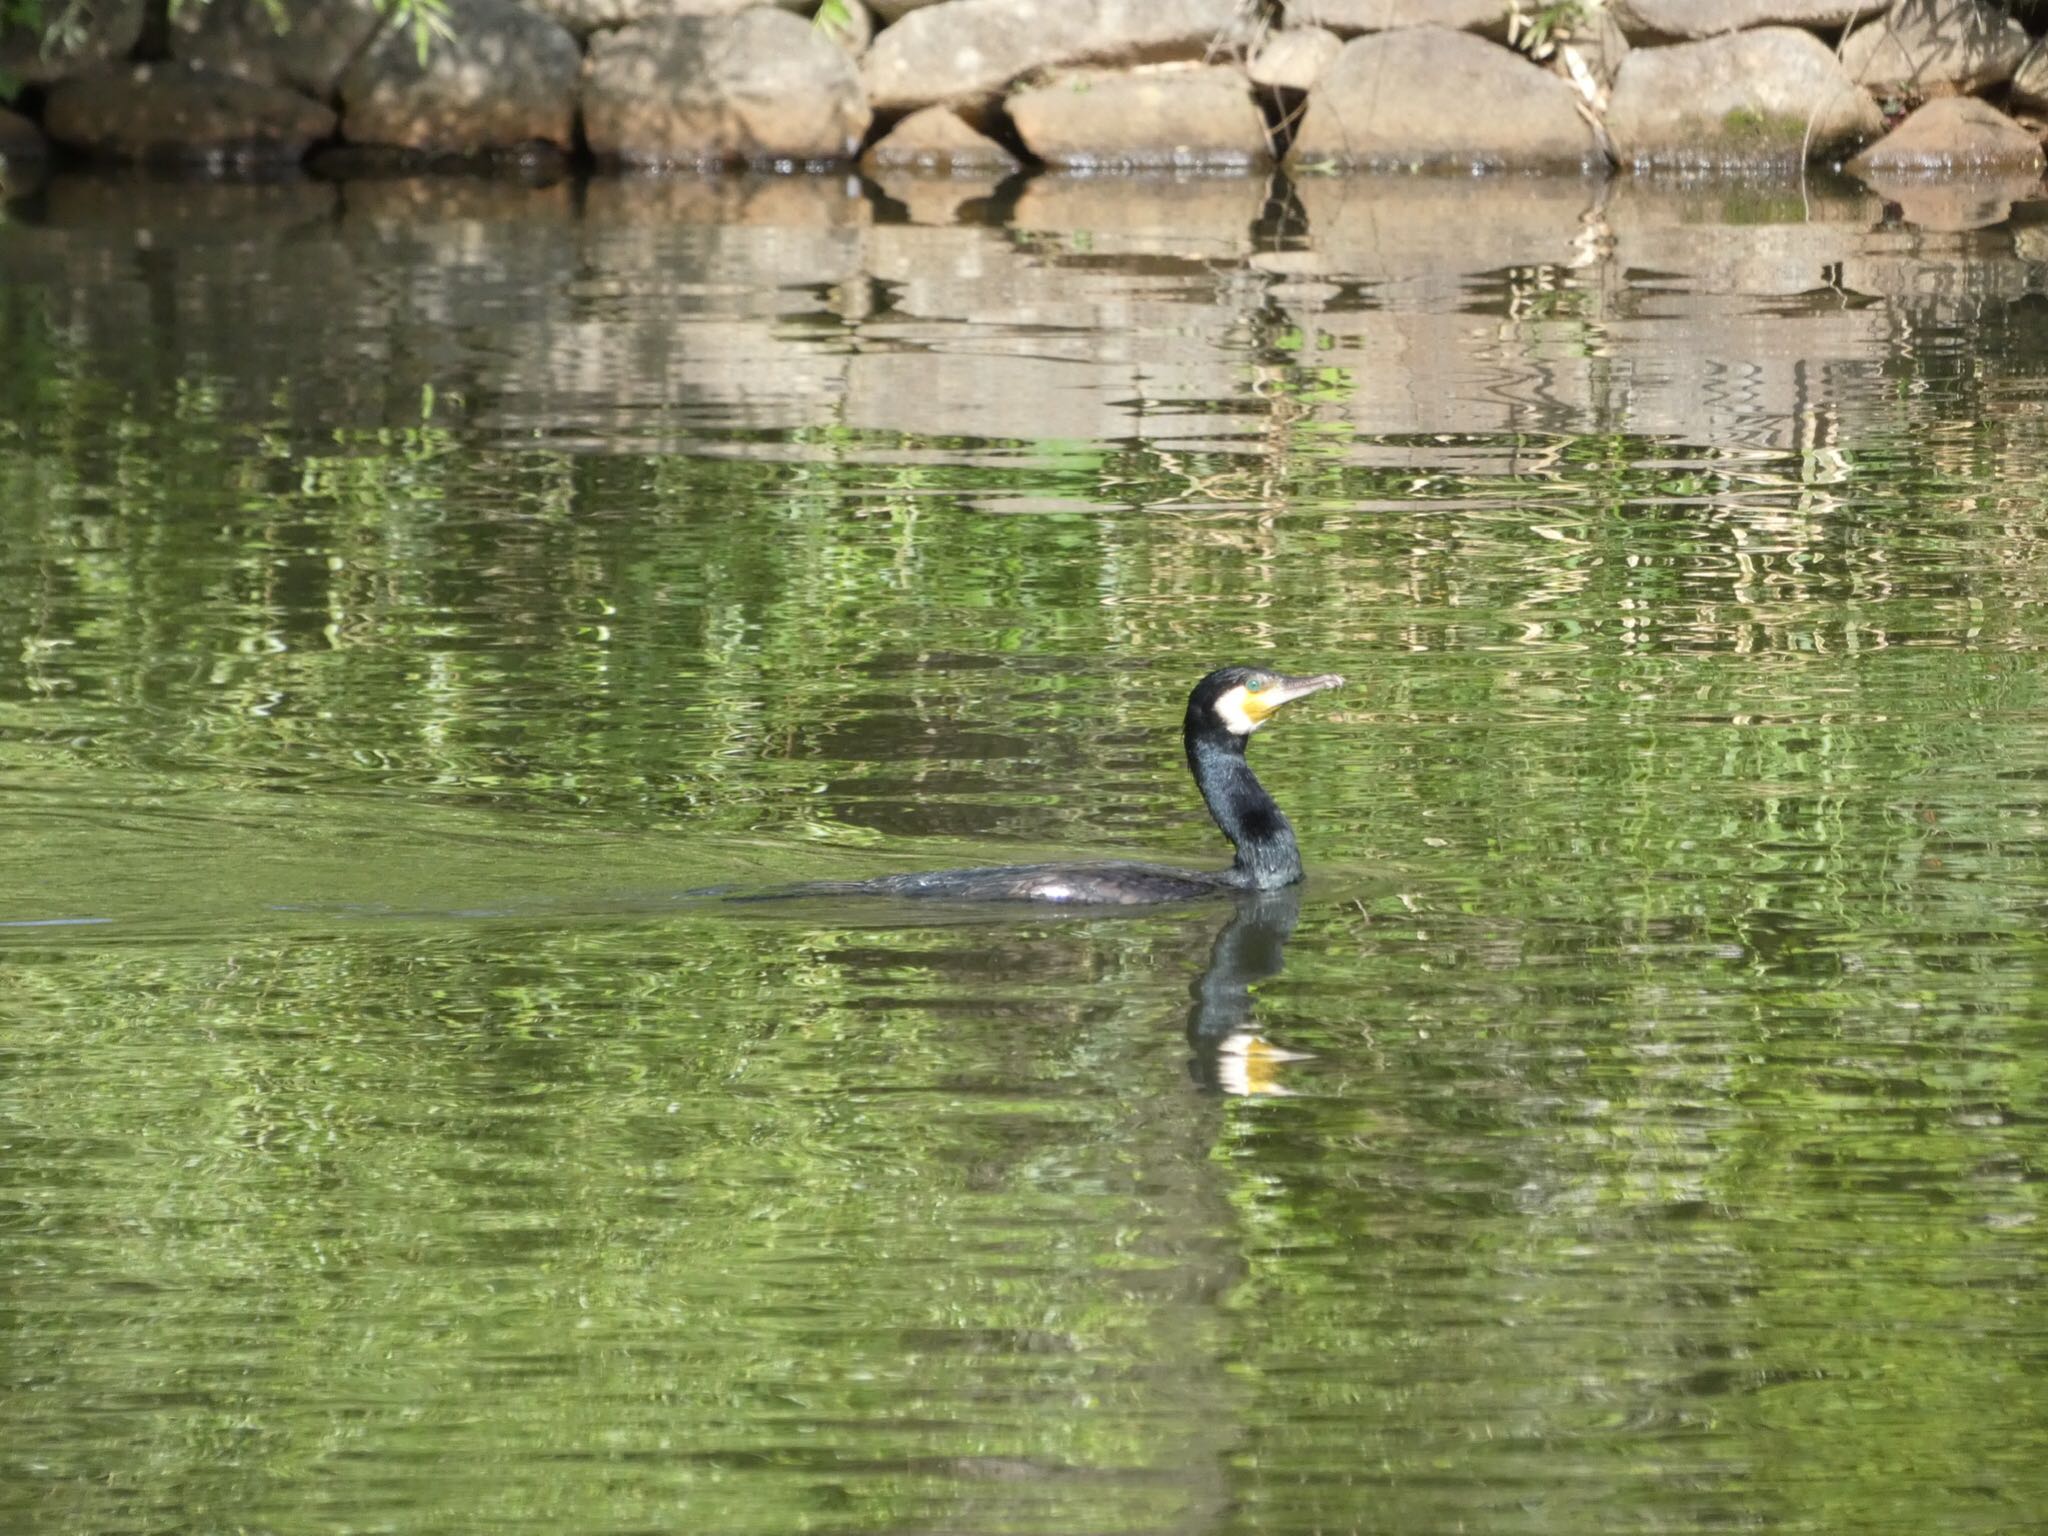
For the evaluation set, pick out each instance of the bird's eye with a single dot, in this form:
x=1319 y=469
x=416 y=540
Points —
x=1255 y=685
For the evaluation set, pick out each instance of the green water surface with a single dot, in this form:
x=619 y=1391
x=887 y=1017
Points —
x=412 y=592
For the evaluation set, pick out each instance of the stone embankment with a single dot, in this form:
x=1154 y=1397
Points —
x=992 y=86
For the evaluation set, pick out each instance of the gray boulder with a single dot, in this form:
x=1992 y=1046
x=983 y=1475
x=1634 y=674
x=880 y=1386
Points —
x=583 y=17
x=1290 y=59
x=1753 y=99
x=756 y=88
x=95 y=34
x=21 y=141
x=1936 y=47
x=1180 y=118
x=966 y=51
x=303 y=44
x=183 y=113
x=1351 y=18
x=507 y=77
x=1952 y=131
x=2030 y=80
x=1406 y=99
x=1596 y=49
x=1689 y=20
x=938 y=139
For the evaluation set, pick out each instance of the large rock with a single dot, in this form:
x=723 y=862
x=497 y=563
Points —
x=1351 y=18
x=303 y=44
x=1936 y=47
x=1952 y=131
x=1290 y=59
x=966 y=51
x=586 y=16
x=1591 y=52
x=2030 y=80
x=20 y=140
x=759 y=87
x=1690 y=20
x=1200 y=116
x=1756 y=98
x=505 y=77
x=938 y=139
x=1407 y=99
x=93 y=34
x=183 y=112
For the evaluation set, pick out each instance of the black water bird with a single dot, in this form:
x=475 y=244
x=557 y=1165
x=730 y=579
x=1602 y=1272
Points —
x=1225 y=709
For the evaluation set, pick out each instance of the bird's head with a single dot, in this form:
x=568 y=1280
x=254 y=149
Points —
x=1238 y=700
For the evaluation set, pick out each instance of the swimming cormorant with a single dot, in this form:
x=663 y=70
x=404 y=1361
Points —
x=1223 y=711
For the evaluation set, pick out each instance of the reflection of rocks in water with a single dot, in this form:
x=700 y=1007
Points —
x=1228 y=1053
x=925 y=200
x=1703 y=312
x=1948 y=206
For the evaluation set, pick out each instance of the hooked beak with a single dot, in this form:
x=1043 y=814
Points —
x=1286 y=690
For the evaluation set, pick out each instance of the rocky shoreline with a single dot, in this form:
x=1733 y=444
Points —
x=1892 y=87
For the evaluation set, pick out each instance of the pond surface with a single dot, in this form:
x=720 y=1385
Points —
x=411 y=592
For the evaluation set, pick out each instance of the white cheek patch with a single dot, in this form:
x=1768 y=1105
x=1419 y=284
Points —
x=1231 y=711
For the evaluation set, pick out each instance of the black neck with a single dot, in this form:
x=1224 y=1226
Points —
x=1267 y=858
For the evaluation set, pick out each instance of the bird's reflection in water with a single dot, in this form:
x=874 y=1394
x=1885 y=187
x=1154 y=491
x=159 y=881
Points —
x=1229 y=1055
